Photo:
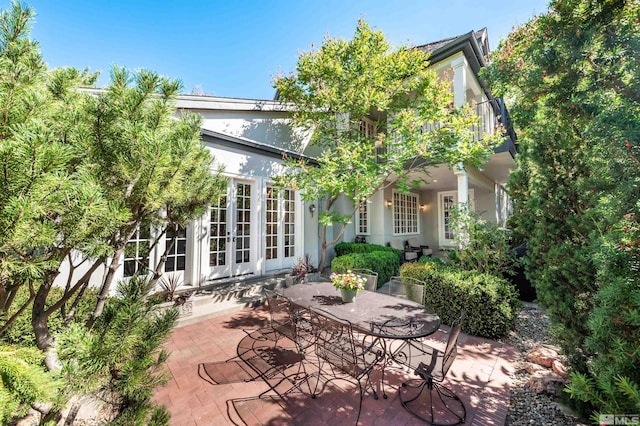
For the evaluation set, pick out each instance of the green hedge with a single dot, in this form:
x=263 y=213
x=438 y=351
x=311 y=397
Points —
x=490 y=303
x=351 y=248
x=385 y=263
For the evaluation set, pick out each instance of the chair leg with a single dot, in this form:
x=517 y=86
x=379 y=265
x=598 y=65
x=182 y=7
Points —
x=450 y=409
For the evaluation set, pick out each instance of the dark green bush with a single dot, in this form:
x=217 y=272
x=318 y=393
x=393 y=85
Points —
x=385 y=263
x=490 y=303
x=21 y=332
x=350 y=248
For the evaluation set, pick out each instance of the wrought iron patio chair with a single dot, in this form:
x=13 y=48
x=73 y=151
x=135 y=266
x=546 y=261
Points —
x=407 y=288
x=280 y=318
x=444 y=407
x=290 y=321
x=339 y=350
x=293 y=323
x=371 y=277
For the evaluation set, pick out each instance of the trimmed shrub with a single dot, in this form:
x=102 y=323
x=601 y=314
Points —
x=350 y=248
x=385 y=263
x=490 y=303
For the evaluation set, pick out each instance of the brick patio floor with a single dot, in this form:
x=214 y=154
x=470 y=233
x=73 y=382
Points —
x=209 y=385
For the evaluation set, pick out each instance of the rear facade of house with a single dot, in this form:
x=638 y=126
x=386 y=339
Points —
x=255 y=231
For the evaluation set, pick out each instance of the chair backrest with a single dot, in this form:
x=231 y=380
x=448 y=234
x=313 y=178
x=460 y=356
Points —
x=396 y=244
x=451 y=351
x=407 y=288
x=413 y=242
x=371 y=277
x=279 y=308
x=334 y=340
x=337 y=343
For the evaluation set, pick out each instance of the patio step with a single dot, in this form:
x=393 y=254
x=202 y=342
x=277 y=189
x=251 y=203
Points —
x=221 y=298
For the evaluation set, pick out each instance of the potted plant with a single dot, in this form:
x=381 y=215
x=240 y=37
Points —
x=301 y=271
x=349 y=285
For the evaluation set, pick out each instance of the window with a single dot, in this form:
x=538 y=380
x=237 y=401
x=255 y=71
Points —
x=448 y=201
x=363 y=218
x=136 y=252
x=405 y=214
x=367 y=128
x=177 y=255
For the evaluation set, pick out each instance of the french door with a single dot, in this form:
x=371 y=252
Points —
x=280 y=233
x=231 y=232
x=446 y=202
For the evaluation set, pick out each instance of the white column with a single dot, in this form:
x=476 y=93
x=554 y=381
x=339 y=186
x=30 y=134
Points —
x=459 y=66
x=463 y=185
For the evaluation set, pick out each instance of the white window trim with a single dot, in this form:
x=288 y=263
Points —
x=393 y=213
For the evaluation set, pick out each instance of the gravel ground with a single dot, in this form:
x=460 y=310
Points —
x=527 y=408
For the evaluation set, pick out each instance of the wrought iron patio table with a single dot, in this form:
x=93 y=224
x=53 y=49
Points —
x=376 y=314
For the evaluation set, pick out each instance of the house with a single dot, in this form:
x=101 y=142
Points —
x=425 y=213
x=254 y=231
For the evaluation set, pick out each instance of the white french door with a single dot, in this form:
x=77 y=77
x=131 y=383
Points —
x=231 y=232
x=446 y=201
x=280 y=233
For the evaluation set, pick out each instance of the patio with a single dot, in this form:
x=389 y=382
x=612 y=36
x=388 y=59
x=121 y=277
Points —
x=205 y=390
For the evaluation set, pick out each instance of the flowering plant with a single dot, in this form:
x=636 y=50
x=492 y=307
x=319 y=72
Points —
x=348 y=281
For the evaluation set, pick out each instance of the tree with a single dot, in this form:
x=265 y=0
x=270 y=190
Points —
x=49 y=202
x=121 y=358
x=155 y=165
x=572 y=77
x=342 y=82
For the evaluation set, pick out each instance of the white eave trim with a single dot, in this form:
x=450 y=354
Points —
x=192 y=102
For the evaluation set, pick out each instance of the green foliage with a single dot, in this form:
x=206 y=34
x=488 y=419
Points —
x=484 y=246
x=343 y=248
x=385 y=263
x=122 y=354
x=24 y=381
x=21 y=331
x=572 y=74
x=49 y=203
x=430 y=260
x=343 y=81
x=614 y=325
x=82 y=169
x=490 y=303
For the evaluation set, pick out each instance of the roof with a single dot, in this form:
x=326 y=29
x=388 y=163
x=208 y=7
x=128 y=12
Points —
x=249 y=145
x=480 y=37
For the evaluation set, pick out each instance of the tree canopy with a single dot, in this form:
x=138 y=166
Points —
x=413 y=123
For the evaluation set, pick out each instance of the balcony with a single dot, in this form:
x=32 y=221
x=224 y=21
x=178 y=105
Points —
x=494 y=116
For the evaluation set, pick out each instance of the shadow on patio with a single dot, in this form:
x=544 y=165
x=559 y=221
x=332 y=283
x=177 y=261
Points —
x=223 y=372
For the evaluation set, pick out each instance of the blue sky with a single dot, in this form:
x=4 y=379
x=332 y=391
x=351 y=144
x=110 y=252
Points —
x=234 y=48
